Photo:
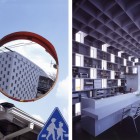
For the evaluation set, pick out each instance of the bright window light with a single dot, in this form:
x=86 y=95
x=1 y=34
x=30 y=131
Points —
x=78 y=37
x=79 y=60
x=78 y=109
x=104 y=83
x=78 y=84
x=93 y=52
x=135 y=70
x=104 y=64
x=93 y=73
x=120 y=53
x=112 y=75
x=136 y=60
x=104 y=47
x=119 y=82
x=124 y=62
x=112 y=58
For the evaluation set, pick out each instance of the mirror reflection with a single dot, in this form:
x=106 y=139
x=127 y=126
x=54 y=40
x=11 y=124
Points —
x=27 y=70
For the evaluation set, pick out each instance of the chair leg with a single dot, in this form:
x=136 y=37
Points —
x=135 y=125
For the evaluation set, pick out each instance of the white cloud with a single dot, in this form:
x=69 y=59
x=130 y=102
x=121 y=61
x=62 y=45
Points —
x=63 y=88
x=65 y=113
x=38 y=117
x=34 y=52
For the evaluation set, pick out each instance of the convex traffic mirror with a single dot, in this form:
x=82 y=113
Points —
x=28 y=66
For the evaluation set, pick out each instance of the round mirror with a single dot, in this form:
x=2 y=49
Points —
x=28 y=66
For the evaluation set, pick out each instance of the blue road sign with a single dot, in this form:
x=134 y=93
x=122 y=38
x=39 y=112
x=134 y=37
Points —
x=55 y=128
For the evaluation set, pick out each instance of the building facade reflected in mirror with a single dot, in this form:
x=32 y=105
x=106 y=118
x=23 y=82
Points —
x=23 y=77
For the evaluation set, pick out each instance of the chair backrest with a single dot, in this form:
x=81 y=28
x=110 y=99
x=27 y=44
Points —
x=126 y=112
x=137 y=112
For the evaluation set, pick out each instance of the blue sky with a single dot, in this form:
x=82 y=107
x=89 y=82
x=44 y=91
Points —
x=48 y=18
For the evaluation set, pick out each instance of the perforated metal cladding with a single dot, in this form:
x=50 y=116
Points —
x=19 y=76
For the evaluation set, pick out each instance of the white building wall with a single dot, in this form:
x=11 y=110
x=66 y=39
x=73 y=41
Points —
x=22 y=81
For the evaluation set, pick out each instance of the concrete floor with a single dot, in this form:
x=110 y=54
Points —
x=121 y=131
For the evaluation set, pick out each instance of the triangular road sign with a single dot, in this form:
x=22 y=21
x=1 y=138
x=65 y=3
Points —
x=55 y=128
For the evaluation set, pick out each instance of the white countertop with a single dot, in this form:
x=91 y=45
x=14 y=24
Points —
x=109 y=109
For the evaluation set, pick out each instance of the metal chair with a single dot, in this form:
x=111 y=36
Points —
x=133 y=112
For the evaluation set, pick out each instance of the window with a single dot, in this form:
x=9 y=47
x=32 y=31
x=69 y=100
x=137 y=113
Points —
x=120 y=53
x=78 y=84
x=104 y=83
x=13 y=70
x=104 y=47
x=135 y=70
x=119 y=82
x=93 y=73
x=8 y=73
x=78 y=109
x=9 y=65
x=79 y=60
x=104 y=64
x=112 y=75
x=93 y=52
x=112 y=58
x=124 y=62
x=78 y=37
